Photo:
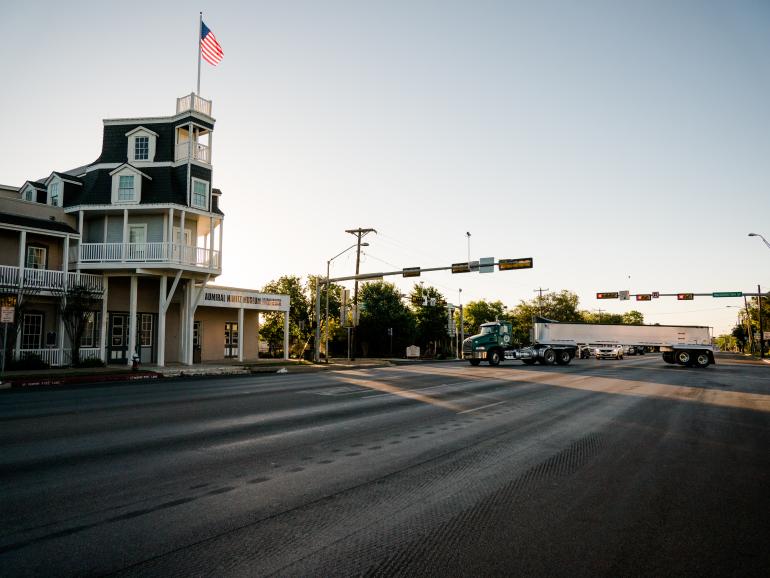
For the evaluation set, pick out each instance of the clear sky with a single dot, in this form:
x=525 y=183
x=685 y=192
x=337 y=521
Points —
x=622 y=145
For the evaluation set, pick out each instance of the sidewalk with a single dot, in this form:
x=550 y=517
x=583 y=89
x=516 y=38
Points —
x=121 y=373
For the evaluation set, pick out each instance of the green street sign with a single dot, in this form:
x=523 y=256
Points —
x=727 y=294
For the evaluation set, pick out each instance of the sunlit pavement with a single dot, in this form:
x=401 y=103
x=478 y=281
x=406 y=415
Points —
x=627 y=467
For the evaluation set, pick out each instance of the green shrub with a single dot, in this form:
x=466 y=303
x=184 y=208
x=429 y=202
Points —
x=93 y=362
x=31 y=361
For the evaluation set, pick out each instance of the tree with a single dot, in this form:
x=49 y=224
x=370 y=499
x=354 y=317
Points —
x=633 y=318
x=561 y=306
x=740 y=336
x=19 y=299
x=382 y=309
x=77 y=303
x=299 y=316
x=477 y=312
x=430 y=319
x=336 y=332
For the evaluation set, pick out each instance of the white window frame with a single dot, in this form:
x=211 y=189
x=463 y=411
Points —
x=30 y=195
x=25 y=335
x=205 y=205
x=138 y=132
x=146 y=330
x=91 y=337
x=55 y=190
x=126 y=172
x=122 y=189
x=146 y=148
x=32 y=249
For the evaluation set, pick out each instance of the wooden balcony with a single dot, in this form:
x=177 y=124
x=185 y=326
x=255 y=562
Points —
x=193 y=102
x=197 y=152
x=172 y=255
x=47 y=280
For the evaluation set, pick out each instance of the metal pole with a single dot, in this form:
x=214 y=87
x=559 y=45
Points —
x=200 y=31
x=326 y=316
x=317 y=344
x=352 y=345
x=5 y=339
x=761 y=328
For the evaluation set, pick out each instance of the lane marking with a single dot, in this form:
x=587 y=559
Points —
x=481 y=407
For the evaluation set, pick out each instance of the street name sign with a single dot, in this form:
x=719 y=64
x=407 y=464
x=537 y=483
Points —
x=508 y=264
x=727 y=294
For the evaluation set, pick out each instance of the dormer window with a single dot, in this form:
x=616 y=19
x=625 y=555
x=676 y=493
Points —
x=126 y=192
x=30 y=195
x=141 y=148
x=54 y=191
x=127 y=185
x=141 y=145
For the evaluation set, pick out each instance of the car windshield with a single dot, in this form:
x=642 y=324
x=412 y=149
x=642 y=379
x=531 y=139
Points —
x=487 y=329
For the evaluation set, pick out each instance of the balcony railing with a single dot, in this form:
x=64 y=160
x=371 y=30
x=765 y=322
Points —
x=149 y=253
x=48 y=280
x=199 y=152
x=193 y=102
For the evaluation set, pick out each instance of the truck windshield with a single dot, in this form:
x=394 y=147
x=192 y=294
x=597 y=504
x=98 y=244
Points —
x=487 y=329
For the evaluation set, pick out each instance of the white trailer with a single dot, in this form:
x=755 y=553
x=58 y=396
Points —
x=682 y=344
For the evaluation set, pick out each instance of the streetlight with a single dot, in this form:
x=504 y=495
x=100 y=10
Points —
x=326 y=326
x=761 y=237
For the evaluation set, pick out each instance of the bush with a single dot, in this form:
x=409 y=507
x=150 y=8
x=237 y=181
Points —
x=30 y=362
x=93 y=362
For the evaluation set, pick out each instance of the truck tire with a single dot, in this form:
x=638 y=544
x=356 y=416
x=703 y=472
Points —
x=493 y=357
x=682 y=357
x=528 y=361
x=474 y=362
x=563 y=357
x=549 y=357
x=668 y=357
x=702 y=359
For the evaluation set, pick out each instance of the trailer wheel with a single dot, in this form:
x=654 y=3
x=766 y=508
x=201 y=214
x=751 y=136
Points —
x=668 y=357
x=493 y=357
x=563 y=357
x=702 y=360
x=528 y=361
x=682 y=357
x=474 y=362
x=549 y=357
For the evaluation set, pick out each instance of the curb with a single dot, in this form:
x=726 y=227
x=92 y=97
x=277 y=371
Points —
x=77 y=379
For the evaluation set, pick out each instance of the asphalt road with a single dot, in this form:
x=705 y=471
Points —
x=615 y=468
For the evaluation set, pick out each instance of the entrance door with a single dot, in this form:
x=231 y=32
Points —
x=231 y=339
x=197 y=342
x=118 y=344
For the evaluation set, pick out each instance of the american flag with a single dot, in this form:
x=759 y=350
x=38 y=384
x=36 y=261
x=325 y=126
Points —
x=211 y=51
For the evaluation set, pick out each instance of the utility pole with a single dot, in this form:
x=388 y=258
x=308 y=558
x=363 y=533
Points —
x=540 y=300
x=359 y=234
x=748 y=324
x=761 y=328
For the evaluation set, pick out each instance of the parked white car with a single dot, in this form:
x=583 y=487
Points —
x=609 y=352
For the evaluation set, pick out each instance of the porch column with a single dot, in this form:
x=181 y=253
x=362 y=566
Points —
x=286 y=335
x=240 y=334
x=182 y=252
x=22 y=252
x=65 y=260
x=170 y=235
x=125 y=235
x=162 y=322
x=103 y=334
x=211 y=242
x=258 y=314
x=106 y=226
x=183 y=322
x=80 y=241
x=221 y=229
x=132 y=319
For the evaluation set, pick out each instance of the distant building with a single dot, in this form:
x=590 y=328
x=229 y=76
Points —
x=141 y=225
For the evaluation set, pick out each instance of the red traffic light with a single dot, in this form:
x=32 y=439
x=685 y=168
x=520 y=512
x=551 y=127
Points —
x=644 y=297
x=684 y=296
x=607 y=295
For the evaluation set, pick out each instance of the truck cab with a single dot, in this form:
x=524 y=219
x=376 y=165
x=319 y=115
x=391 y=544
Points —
x=490 y=344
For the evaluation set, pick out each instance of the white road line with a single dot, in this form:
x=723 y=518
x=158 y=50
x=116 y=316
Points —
x=480 y=407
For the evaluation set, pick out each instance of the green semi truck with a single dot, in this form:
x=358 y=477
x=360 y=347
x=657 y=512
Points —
x=494 y=343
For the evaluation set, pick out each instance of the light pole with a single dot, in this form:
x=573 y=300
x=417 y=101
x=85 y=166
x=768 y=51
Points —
x=326 y=316
x=759 y=306
x=467 y=234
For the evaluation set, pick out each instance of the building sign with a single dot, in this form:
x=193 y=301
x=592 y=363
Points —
x=239 y=298
x=6 y=314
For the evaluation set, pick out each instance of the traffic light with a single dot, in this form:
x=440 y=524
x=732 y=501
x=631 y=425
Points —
x=644 y=297
x=607 y=295
x=508 y=264
x=684 y=296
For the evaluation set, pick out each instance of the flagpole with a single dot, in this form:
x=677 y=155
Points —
x=200 y=31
